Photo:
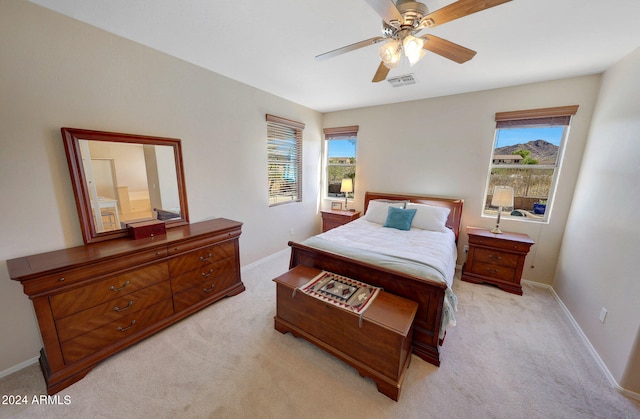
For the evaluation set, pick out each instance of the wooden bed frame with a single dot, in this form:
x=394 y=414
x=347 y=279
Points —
x=428 y=294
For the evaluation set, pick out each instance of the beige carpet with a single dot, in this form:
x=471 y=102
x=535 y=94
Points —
x=509 y=357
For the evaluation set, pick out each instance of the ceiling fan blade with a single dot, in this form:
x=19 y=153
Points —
x=447 y=49
x=381 y=73
x=459 y=9
x=350 y=48
x=386 y=9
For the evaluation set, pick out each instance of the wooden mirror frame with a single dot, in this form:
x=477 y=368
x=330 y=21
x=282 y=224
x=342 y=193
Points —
x=72 y=137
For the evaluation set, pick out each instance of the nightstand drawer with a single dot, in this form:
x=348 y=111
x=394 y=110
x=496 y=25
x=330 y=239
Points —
x=495 y=257
x=500 y=243
x=333 y=219
x=494 y=271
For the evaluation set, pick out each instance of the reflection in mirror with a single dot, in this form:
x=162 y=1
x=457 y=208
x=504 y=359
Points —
x=129 y=182
x=122 y=178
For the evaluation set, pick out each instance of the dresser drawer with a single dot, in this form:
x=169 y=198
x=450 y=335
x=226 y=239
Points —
x=72 y=276
x=204 y=289
x=494 y=271
x=201 y=257
x=89 y=343
x=193 y=244
x=95 y=317
x=493 y=256
x=79 y=299
x=205 y=273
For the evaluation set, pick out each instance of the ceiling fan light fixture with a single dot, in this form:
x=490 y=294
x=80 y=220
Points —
x=390 y=53
x=401 y=19
x=414 y=58
x=413 y=48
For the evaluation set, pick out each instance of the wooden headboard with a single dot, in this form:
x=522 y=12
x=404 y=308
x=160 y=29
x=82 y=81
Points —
x=454 y=205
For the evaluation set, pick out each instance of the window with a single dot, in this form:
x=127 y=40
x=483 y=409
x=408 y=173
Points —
x=284 y=158
x=526 y=156
x=340 y=158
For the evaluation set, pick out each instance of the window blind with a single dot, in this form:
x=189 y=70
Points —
x=545 y=116
x=284 y=160
x=341 y=132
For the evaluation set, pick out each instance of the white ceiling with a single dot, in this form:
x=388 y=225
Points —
x=271 y=44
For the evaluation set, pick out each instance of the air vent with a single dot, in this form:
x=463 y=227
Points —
x=405 y=80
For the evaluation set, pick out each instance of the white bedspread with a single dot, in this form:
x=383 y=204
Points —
x=427 y=254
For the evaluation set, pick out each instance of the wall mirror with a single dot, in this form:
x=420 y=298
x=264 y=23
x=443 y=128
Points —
x=123 y=178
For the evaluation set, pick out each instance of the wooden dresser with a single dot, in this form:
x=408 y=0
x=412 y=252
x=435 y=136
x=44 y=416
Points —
x=94 y=300
x=336 y=218
x=496 y=259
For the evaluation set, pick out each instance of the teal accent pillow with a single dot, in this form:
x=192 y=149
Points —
x=400 y=218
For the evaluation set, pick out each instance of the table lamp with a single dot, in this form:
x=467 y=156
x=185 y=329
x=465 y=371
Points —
x=346 y=187
x=502 y=197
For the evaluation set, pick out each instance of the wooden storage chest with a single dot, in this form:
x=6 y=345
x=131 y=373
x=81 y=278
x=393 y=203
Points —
x=378 y=347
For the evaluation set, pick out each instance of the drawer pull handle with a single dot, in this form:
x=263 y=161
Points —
x=116 y=308
x=493 y=271
x=114 y=289
x=124 y=329
x=207 y=274
x=158 y=253
x=209 y=289
x=495 y=257
x=61 y=279
x=202 y=258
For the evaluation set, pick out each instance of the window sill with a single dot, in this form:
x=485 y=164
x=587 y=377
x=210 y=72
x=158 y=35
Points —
x=528 y=216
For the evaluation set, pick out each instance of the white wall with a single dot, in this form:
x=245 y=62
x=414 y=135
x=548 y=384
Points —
x=443 y=146
x=55 y=72
x=599 y=256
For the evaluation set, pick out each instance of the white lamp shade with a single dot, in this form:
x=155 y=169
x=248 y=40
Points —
x=413 y=48
x=416 y=57
x=502 y=196
x=390 y=53
x=346 y=186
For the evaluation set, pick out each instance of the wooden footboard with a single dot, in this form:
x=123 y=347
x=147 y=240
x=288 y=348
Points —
x=428 y=294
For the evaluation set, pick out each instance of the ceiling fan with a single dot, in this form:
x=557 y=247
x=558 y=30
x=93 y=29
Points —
x=401 y=23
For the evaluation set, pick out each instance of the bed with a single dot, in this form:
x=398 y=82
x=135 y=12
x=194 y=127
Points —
x=364 y=251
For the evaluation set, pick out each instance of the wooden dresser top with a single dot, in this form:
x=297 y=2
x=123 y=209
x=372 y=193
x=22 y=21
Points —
x=29 y=266
x=505 y=235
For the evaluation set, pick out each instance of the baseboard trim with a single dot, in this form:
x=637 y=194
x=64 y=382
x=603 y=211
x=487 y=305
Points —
x=586 y=341
x=18 y=367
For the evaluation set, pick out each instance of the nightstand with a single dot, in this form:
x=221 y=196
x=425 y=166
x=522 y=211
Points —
x=496 y=259
x=335 y=218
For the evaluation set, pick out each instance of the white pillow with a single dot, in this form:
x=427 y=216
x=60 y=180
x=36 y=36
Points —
x=429 y=217
x=378 y=209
